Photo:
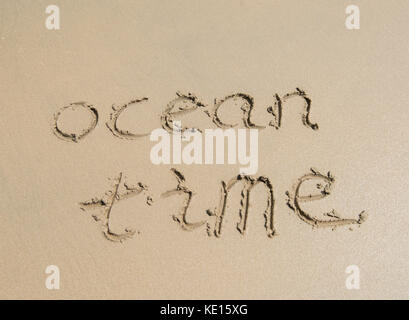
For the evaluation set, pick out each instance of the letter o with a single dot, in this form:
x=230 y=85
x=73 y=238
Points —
x=73 y=136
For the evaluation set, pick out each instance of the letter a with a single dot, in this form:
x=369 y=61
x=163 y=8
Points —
x=53 y=20
x=352 y=21
x=352 y=281
x=53 y=281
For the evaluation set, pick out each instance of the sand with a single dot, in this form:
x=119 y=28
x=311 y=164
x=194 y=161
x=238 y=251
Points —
x=80 y=192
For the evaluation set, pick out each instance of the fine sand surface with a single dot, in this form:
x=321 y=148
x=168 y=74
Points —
x=79 y=190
